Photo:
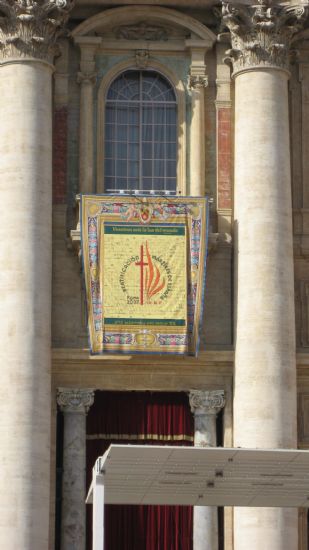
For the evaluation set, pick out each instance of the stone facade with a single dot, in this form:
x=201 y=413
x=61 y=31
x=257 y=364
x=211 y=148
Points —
x=240 y=71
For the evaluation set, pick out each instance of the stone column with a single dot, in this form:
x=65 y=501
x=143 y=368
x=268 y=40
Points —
x=75 y=405
x=86 y=78
x=198 y=81
x=28 y=32
x=205 y=405
x=265 y=362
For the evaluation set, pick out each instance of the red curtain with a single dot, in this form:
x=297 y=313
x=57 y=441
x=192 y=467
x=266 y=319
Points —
x=156 y=418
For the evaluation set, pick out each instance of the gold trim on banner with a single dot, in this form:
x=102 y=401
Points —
x=115 y=331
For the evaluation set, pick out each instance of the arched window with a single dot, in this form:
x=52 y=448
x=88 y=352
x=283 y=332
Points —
x=140 y=146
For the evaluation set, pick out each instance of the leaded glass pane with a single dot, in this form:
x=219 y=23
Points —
x=140 y=134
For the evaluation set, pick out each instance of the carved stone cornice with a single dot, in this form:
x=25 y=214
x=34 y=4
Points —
x=75 y=400
x=197 y=81
x=261 y=34
x=30 y=28
x=206 y=402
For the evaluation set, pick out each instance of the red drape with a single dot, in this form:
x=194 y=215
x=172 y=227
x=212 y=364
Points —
x=156 y=418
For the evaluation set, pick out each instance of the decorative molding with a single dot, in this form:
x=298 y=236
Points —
x=197 y=81
x=141 y=31
x=206 y=402
x=261 y=34
x=75 y=400
x=29 y=28
x=198 y=78
x=142 y=58
x=158 y=17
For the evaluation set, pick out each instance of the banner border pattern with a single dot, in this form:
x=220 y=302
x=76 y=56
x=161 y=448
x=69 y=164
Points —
x=197 y=236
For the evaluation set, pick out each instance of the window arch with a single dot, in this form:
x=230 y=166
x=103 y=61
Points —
x=140 y=134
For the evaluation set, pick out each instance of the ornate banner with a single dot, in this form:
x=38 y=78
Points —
x=144 y=261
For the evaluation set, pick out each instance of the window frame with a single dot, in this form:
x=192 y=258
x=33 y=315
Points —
x=179 y=90
x=149 y=168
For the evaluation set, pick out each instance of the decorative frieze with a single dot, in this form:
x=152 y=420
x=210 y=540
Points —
x=75 y=400
x=141 y=31
x=261 y=33
x=29 y=28
x=206 y=402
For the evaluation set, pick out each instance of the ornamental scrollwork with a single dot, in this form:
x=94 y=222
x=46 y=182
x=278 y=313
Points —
x=75 y=400
x=261 y=34
x=30 y=28
x=206 y=402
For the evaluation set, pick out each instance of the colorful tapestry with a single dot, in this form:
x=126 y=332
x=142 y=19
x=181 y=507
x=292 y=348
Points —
x=144 y=261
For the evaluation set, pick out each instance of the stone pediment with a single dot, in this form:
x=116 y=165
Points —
x=139 y=23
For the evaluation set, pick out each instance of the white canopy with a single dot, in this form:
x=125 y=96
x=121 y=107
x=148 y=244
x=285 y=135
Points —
x=146 y=474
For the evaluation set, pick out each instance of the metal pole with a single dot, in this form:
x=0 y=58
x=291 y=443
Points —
x=98 y=512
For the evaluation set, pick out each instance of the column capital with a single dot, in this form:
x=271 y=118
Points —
x=206 y=402
x=261 y=33
x=197 y=78
x=86 y=78
x=30 y=28
x=197 y=81
x=72 y=400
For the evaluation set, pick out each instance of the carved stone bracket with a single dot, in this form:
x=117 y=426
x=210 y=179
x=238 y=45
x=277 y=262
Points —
x=206 y=402
x=261 y=34
x=142 y=58
x=29 y=28
x=84 y=78
x=75 y=400
x=197 y=81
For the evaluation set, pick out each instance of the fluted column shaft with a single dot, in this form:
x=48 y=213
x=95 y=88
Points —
x=27 y=33
x=205 y=405
x=74 y=404
x=265 y=360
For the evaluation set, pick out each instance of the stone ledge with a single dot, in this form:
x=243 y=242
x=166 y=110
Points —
x=82 y=356
x=76 y=368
